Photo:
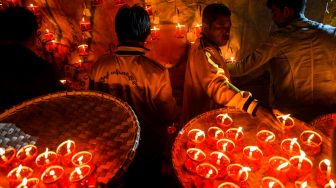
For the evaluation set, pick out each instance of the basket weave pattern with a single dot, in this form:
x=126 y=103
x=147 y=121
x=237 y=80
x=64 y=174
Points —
x=97 y=122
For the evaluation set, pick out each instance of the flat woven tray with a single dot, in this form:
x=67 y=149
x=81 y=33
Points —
x=97 y=122
x=250 y=127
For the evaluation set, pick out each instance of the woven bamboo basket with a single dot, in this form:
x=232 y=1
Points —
x=97 y=122
x=250 y=127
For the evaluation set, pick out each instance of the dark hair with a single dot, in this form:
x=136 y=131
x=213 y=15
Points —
x=18 y=24
x=132 y=23
x=212 y=11
x=297 y=5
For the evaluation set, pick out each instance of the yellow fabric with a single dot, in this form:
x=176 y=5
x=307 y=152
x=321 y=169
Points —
x=206 y=82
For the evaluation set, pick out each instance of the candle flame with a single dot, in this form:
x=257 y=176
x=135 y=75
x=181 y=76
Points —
x=46 y=154
x=224 y=146
x=232 y=59
x=246 y=169
x=24 y=181
x=178 y=25
x=52 y=172
x=19 y=169
x=80 y=158
x=217 y=133
x=271 y=184
x=83 y=19
x=283 y=165
x=31 y=4
x=304 y=185
x=78 y=170
x=209 y=173
x=2 y=151
x=198 y=134
x=285 y=116
x=196 y=155
x=27 y=150
x=302 y=155
x=293 y=141
x=238 y=131
x=270 y=137
x=327 y=162
x=69 y=144
x=198 y=25
x=310 y=138
x=332 y=183
x=47 y=30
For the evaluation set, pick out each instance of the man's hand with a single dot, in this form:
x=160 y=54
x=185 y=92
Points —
x=267 y=116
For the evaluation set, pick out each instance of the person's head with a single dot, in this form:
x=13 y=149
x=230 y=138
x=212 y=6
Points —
x=18 y=24
x=285 y=11
x=132 y=24
x=216 y=23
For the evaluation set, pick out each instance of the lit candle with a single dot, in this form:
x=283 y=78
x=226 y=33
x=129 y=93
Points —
x=236 y=135
x=27 y=154
x=224 y=121
x=237 y=172
x=16 y=175
x=83 y=157
x=300 y=166
x=6 y=156
x=46 y=159
x=80 y=175
x=214 y=134
x=83 y=50
x=34 y=9
x=29 y=183
x=228 y=185
x=85 y=24
x=331 y=184
x=196 y=136
x=51 y=46
x=311 y=142
x=290 y=147
x=66 y=150
x=195 y=156
x=207 y=170
x=220 y=161
x=48 y=36
x=197 y=30
x=52 y=176
x=278 y=167
x=287 y=122
x=252 y=156
x=271 y=182
x=266 y=142
x=155 y=33
x=323 y=174
x=180 y=31
x=300 y=184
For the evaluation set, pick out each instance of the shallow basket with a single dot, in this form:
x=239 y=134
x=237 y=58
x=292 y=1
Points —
x=97 y=122
x=250 y=127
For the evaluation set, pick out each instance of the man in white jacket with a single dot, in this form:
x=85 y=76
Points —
x=300 y=57
x=207 y=81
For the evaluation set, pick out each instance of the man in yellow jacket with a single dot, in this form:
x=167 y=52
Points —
x=207 y=81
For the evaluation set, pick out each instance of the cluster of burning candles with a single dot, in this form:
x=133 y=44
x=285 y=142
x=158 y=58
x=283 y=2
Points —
x=211 y=154
x=180 y=32
x=63 y=168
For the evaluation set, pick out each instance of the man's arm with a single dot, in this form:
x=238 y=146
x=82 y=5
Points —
x=257 y=62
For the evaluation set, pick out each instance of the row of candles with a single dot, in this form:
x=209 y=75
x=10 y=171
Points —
x=223 y=140
x=53 y=165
